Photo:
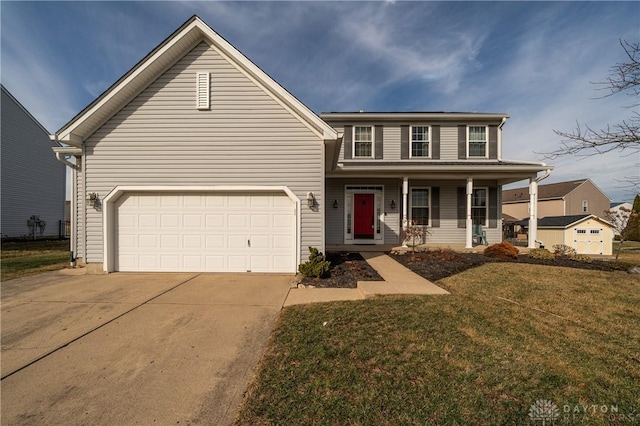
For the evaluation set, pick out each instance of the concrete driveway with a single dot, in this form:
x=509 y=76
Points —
x=133 y=348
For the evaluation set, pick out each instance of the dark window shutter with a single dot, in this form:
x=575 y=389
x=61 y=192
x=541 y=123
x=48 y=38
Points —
x=462 y=142
x=493 y=142
x=379 y=142
x=347 y=142
x=404 y=142
x=493 y=207
x=462 y=207
x=435 y=142
x=435 y=207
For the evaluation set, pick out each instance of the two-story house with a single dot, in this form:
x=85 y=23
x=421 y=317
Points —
x=576 y=197
x=197 y=160
x=33 y=182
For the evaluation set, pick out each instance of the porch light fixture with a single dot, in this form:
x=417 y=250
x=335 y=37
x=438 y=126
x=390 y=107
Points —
x=393 y=204
x=335 y=204
x=311 y=199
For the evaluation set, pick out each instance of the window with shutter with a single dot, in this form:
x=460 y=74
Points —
x=202 y=90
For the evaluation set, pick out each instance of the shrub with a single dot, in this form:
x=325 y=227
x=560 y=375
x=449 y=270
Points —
x=562 y=250
x=540 y=253
x=317 y=266
x=503 y=250
x=582 y=258
x=414 y=233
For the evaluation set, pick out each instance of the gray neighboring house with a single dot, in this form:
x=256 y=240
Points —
x=196 y=160
x=33 y=182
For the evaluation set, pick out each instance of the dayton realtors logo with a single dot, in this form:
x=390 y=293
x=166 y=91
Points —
x=544 y=410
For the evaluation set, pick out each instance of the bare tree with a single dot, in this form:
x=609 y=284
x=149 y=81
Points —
x=625 y=223
x=624 y=77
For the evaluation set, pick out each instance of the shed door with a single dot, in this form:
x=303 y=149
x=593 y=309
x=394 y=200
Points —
x=588 y=240
x=205 y=232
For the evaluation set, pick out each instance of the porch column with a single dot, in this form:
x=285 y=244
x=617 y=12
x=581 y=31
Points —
x=469 y=223
x=405 y=194
x=533 y=212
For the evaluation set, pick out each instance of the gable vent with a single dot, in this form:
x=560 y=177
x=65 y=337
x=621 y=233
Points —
x=202 y=90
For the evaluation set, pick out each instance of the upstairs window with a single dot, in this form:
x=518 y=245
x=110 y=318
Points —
x=420 y=206
x=420 y=141
x=585 y=206
x=363 y=141
x=477 y=141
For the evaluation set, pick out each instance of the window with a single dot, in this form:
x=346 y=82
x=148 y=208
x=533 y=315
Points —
x=479 y=206
x=363 y=141
x=420 y=206
x=581 y=231
x=585 y=206
x=420 y=141
x=594 y=232
x=477 y=137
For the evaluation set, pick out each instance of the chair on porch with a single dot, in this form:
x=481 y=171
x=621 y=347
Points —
x=479 y=235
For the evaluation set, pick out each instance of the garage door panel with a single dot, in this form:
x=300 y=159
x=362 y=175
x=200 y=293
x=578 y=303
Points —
x=205 y=232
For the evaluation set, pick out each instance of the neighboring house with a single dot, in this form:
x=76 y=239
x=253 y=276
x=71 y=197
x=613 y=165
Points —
x=196 y=160
x=557 y=199
x=615 y=208
x=587 y=233
x=33 y=182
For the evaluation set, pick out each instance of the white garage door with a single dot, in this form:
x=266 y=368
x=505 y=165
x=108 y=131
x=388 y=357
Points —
x=588 y=240
x=209 y=232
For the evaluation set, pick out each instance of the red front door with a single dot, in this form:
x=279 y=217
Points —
x=363 y=217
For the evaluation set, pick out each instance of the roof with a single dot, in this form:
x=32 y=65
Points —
x=564 y=222
x=411 y=116
x=509 y=219
x=545 y=192
x=174 y=47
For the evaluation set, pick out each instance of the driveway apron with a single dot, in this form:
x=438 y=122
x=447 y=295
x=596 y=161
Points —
x=133 y=348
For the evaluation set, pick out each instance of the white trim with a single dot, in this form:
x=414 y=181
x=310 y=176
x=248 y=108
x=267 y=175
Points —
x=486 y=146
x=411 y=203
x=203 y=90
x=378 y=192
x=429 y=144
x=373 y=142
x=108 y=205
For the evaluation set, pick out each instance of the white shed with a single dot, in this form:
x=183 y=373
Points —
x=587 y=234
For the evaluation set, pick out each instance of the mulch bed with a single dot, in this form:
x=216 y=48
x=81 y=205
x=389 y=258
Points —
x=435 y=265
x=346 y=270
x=349 y=268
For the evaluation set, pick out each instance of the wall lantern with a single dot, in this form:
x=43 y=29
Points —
x=311 y=199
x=393 y=204
x=335 y=204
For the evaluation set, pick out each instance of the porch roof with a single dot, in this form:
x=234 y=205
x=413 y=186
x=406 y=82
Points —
x=505 y=171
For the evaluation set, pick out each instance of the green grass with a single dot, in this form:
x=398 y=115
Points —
x=23 y=258
x=509 y=335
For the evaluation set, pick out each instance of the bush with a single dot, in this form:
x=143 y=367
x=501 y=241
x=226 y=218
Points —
x=562 y=250
x=582 y=258
x=503 y=250
x=540 y=253
x=317 y=266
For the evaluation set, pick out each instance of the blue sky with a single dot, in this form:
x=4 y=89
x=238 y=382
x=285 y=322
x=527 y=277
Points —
x=533 y=60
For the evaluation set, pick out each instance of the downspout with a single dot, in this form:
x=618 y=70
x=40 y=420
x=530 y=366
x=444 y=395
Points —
x=504 y=120
x=62 y=157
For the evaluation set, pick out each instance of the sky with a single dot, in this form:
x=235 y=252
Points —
x=536 y=61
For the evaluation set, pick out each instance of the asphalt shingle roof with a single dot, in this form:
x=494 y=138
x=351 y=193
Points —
x=545 y=192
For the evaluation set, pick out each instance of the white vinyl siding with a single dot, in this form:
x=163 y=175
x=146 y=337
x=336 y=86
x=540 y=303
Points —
x=33 y=180
x=248 y=138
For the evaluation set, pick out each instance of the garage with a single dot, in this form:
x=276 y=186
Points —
x=204 y=232
x=586 y=234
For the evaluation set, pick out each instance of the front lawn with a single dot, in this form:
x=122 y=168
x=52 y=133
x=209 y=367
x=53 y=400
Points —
x=23 y=258
x=508 y=336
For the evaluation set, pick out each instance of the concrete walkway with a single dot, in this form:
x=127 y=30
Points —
x=397 y=280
